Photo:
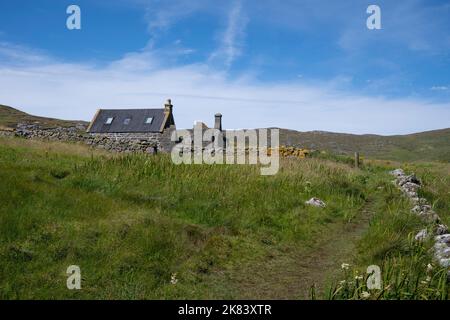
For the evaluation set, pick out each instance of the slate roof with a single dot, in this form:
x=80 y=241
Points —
x=136 y=123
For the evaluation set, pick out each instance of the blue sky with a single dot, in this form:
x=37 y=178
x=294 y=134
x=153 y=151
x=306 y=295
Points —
x=305 y=65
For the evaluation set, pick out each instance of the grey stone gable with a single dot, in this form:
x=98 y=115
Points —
x=136 y=122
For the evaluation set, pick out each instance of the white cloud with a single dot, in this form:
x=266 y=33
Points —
x=161 y=15
x=231 y=42
x=440 y=88
x=74 y=91
x=19 y=54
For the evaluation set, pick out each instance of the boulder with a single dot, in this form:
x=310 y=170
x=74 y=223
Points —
x=443 y=253
x=440 y=229
x=412 y=179
x=421 y=208
x=397 y=172
x=316 y=202
x=429 y=216
x=444 y=238
x=422 y=235
x=410 y=187
x=445 y=262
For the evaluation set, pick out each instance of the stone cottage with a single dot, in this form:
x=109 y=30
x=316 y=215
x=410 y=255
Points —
x=147 y=130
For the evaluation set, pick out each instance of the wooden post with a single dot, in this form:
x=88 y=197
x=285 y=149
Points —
x=357 y=159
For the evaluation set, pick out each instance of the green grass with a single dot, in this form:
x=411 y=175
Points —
x=390 y=244
x=133 y=221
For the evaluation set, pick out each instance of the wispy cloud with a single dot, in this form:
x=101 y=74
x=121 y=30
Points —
x=17 y=54
x=232 y=39
x=161 y=15
x=440 y=88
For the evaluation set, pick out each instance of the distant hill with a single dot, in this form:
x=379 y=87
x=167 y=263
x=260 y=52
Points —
x=10 y=117
x=428 y=146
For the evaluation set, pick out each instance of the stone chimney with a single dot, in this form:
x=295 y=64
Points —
x=218 y=121
x=168 y=106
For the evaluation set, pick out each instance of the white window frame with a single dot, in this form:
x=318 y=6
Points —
x=147 y=120
x=109 y=120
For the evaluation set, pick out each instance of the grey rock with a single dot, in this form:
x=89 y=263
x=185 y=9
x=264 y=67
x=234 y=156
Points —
x=316 y=202
x=443 y=253
x=429 y=216
x=444 y=238
x=421 y=235
x=421 y=208
x=439 y=246
x=397 y=172
x=440 y=229
x=410 y=187
x=444 y=262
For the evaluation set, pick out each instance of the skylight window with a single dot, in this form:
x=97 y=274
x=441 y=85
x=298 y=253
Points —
x=126 y=121
x=109 y=120
x=149 y=120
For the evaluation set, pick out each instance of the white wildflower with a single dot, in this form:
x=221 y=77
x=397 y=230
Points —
x=173 y=279
x=426 y=281
x=345 y=266
x=429 y=267
x=365 y=295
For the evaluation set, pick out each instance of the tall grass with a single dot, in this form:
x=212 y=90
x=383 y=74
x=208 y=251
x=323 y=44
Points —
x=410 y=276
x=407 y=267
x=132 y=221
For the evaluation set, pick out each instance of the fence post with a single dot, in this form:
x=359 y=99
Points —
x=357 y=159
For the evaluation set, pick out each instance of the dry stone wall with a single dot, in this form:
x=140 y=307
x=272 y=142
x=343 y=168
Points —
x=409 y=185
x=117 y=142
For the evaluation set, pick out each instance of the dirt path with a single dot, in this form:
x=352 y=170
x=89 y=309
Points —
x=291 y=276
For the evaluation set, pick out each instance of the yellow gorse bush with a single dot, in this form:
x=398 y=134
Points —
x=286 y=152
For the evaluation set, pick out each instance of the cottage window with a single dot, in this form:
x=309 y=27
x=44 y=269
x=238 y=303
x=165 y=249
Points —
x=126 y=121
x=149 y=120
x=109 y=120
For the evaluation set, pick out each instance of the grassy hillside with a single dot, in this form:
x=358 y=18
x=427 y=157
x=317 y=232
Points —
x=428 y=146
x=141 y=227
x=9 y=117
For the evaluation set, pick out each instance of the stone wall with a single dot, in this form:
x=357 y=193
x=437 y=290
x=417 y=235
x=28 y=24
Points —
x=6 y=133
x=410 y=185
x=118 y=142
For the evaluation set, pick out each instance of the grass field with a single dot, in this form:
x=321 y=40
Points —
x=140 y=227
